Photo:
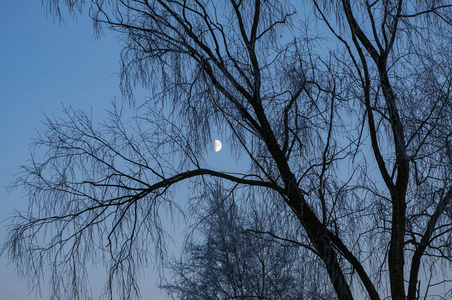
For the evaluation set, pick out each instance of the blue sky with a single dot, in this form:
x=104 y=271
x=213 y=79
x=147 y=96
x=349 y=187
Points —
x=44 y=66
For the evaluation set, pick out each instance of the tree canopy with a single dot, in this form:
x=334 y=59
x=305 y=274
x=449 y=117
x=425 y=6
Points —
x=237 y=252
x=341 y=109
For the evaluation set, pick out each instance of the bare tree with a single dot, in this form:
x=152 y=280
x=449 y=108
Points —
x=343 y=109
x=237 y=252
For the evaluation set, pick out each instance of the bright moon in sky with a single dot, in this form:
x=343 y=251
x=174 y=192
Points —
x=217 y=145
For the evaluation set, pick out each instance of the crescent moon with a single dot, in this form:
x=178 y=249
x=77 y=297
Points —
x=217 y=145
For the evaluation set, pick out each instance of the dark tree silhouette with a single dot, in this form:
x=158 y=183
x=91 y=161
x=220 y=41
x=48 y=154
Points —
x=342 y=108
x=237 y=252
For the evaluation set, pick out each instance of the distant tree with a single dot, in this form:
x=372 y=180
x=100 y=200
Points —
x=239 y=253
x=342 y=108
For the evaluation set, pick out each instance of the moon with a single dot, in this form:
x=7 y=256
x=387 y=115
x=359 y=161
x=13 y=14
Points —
x=217 y=145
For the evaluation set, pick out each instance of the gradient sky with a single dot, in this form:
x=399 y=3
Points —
x=43 y=66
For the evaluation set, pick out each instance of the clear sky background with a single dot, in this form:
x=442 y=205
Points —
x=43 y=66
